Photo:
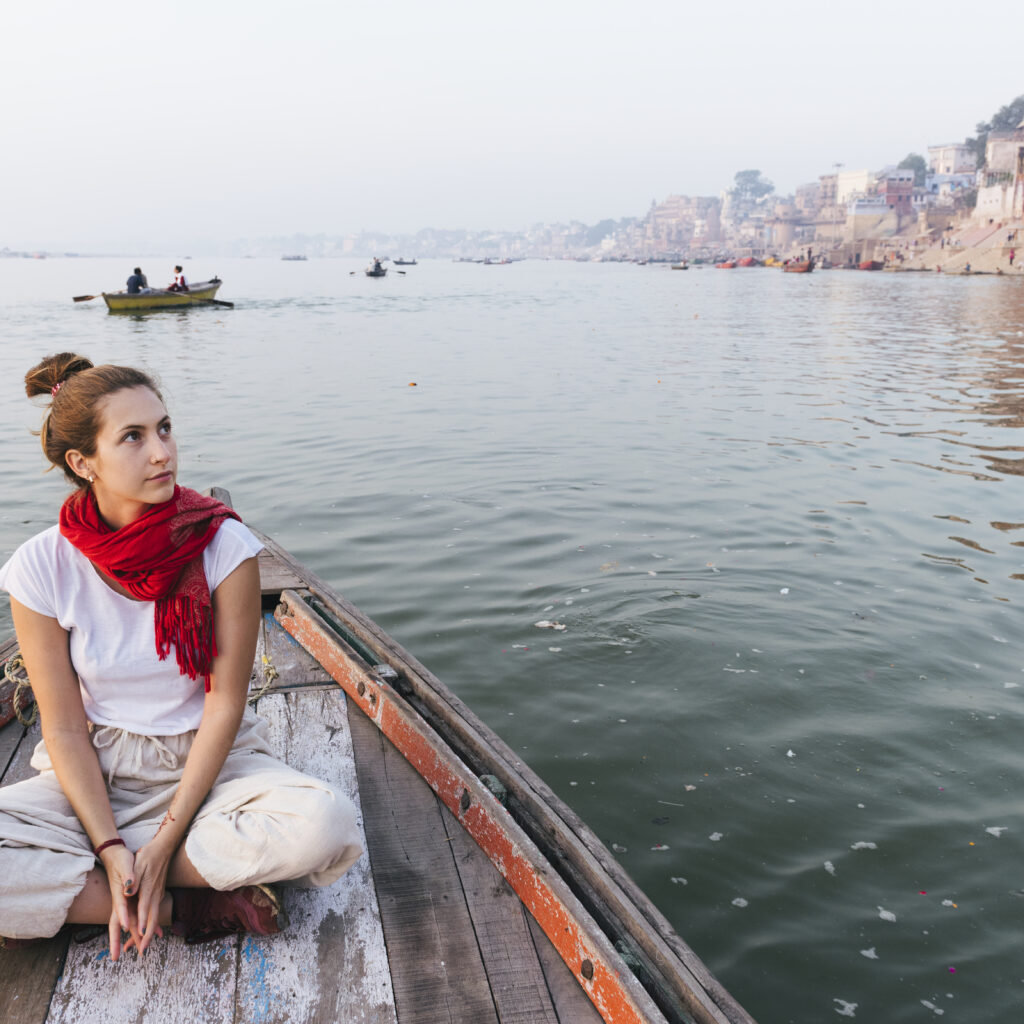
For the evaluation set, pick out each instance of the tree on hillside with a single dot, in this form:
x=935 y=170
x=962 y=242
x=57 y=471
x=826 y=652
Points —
x=916 y=163
x=1005 y=119
x=751 y=185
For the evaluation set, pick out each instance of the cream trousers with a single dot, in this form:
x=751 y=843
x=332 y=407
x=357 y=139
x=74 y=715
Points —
x=261 y=822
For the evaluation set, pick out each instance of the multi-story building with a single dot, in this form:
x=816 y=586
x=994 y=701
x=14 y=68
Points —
x=952 y=158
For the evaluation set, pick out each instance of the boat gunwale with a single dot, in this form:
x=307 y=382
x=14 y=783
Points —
x=595 y=878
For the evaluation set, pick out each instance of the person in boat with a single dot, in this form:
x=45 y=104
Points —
x=137 y=282
x=376 y=265
x=158 y=805
x=179 y=284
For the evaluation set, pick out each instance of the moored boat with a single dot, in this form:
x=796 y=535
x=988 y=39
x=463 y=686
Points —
x=803 y=267
x=404 y=263
x=726 y=265
x=199 y=294
x=481 y=892
x=747 y=261
x=870 y=265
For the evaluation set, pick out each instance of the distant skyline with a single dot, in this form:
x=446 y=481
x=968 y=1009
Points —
x=195 y=124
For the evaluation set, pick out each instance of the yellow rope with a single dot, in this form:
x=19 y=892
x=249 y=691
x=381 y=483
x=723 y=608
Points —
x=15 y=672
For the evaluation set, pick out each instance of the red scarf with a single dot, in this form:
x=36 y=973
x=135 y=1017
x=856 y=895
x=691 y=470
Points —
x=158 y=557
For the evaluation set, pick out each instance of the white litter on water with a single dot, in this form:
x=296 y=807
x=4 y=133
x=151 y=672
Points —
x=844 y=1009
x=996 y=830
x=938 y=1011
x=658 y=847
x=618 y=848
x=1010 y=686
x=886 y=915
x=715 y=836
x=555 y=650
x=830 y=867
x=679 y=881
x=864 y=846
x=548 y=624
x=740 y=902
x=948 y=903
x=869 y=953
x=790 y=753
x=784 y=590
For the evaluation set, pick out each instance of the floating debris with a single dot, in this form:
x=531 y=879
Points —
x=555 y=650
x=790 y=753
x=869 y=953
x=938 y=1011
x=619 y=848
x=864 y=846
x=689 y=788
x=784 y=590
x=886 y=915
x=830 y=868
x=715 y=836
x=678 y=881
x=996 y=830
x=548 y=624
x=950 y=903
x=844 y=1009
x=740 y=902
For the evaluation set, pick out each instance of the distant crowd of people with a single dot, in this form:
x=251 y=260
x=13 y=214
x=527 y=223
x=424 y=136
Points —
x=139 y=285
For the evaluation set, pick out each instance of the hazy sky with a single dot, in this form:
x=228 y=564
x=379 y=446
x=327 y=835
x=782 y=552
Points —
x=152 y=126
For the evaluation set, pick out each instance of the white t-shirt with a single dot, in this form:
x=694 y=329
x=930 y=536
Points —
x=113 y=638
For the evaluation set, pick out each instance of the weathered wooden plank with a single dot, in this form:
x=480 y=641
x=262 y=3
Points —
x=275 y=576
x=10 y=736
x=331 y=964
x=571 y=1003
x=437 y=972
x=286 y=661
x=28 y=975
x=171 y=984
x=516 y=977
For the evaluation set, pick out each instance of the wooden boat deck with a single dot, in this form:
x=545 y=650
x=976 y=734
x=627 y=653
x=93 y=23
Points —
x=424 y=929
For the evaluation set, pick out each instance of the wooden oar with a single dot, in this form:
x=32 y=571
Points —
x=216 y=302
x=83 y=298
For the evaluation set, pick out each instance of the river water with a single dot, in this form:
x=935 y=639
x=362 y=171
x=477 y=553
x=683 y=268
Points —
x=779 y=517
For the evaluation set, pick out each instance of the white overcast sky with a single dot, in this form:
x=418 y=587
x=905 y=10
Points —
x=145 y=126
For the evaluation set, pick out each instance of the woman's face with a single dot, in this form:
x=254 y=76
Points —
x=136 y=459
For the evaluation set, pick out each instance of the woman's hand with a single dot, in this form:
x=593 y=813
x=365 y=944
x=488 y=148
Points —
x=152 y=862
x=119 y=863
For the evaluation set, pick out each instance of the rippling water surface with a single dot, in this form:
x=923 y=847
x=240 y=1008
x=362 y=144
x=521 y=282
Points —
x=779 y=517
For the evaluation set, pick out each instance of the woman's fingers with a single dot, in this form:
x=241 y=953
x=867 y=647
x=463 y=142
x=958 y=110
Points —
x=114 y=932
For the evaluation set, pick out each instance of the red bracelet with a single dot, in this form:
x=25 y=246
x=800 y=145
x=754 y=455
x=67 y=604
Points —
x=97 y=850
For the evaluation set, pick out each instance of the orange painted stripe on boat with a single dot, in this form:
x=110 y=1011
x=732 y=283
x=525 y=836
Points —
x=504 y=842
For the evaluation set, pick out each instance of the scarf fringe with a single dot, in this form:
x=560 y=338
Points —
x=186 y=625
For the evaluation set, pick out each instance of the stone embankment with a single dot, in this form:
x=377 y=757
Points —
x=986 y=250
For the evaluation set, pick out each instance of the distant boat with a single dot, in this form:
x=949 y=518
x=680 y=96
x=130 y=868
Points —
x=680 y=266
x=296 y=258
x=200 y=294
x=804 y=267
x=747 y=261
x=726 y=265
x=404 y=263
x=870 y=265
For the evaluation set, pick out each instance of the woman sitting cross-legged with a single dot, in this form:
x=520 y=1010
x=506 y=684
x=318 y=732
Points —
x=158 y=804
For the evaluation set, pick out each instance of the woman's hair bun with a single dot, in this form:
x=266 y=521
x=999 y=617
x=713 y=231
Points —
x=54 y=370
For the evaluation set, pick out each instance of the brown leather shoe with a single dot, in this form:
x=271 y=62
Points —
x=202 y=915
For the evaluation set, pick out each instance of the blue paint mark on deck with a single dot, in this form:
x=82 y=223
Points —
x=103 y=954
x=258 y=983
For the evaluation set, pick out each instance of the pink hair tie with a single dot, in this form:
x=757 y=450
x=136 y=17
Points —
x=56 y=387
